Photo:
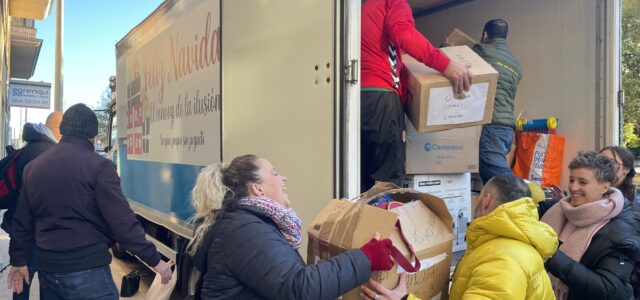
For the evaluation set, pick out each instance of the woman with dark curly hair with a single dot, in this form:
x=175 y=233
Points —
x=624 y=161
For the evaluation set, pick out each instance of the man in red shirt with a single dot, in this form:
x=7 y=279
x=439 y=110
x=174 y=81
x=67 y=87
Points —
x=388 y=31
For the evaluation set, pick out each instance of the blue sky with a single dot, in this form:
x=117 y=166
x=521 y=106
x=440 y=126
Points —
x=91 y=30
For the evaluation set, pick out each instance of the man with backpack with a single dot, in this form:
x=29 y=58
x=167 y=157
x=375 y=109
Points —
x=39 y=139
x=73 y=209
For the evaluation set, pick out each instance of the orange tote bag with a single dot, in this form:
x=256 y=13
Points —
x=539 y=157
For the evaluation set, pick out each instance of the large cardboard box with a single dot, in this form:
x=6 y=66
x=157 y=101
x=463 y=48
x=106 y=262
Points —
x=442 y=152
x=455 y=189
x=459 y=38
x=425 y=220
x=432 y=103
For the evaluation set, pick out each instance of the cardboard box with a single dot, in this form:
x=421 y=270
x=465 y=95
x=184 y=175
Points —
x=432 y=104
x=459 y=38
x=343 y=225
x=442 y=152
x=455 y=189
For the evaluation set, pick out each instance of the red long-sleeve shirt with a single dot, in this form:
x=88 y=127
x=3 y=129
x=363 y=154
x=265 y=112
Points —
x=388 y=30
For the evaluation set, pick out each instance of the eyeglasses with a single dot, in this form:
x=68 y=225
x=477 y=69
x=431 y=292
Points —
x=616 y=164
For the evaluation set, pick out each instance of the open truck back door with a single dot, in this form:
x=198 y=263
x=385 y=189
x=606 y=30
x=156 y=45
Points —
x=570 y=53
x=286 y=95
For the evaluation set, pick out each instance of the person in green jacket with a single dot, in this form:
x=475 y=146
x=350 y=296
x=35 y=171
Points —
x=496 y=138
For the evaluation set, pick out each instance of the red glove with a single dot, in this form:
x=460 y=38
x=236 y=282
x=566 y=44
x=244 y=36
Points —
x=379 y=254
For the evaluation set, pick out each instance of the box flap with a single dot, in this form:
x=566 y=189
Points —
x=348 y=225
x=459 y=38
x=370 y=221
x=378 y=188
x=421 y=227
x=436 y=204
x=322 y=226
x=466 y=55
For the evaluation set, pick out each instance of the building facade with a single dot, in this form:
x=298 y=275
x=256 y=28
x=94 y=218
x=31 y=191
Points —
x=19 y=49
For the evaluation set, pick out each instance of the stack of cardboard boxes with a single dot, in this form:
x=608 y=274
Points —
x=444 y=132
x=425 y=220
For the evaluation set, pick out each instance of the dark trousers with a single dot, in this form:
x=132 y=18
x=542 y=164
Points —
x=381 y=146
x=495 y=144
x=95 y=283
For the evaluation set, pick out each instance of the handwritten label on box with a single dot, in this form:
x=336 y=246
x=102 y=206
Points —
x=445 y=109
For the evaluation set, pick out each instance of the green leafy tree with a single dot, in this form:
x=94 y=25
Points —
x=631 y=140
x=631 y=70
x=102 y=111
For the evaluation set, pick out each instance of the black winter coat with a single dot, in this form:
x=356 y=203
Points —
x=544 y=206
x=37 y=143
x=605 y=268
x=244 y=256
x=72 y=206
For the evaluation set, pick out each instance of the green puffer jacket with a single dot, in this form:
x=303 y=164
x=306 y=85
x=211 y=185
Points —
x=497 y=53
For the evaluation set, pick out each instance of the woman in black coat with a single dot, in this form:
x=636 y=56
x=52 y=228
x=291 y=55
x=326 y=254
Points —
x=246 y=246
x=599 y=233
x=624 y=163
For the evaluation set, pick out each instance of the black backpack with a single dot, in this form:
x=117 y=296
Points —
x=9 y=183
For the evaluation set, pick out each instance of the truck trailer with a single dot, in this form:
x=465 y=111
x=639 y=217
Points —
x=201 y=82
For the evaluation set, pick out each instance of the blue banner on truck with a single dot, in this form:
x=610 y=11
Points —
x=164 y=187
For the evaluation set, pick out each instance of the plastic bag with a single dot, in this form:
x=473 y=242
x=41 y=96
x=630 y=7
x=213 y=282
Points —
x=159 y=291
x=539 y=157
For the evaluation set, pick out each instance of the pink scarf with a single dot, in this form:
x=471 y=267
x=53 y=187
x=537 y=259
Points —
x=576 y=226
x=285 y=218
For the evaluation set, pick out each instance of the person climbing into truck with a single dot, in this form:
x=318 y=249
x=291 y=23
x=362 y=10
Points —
x=496 y=138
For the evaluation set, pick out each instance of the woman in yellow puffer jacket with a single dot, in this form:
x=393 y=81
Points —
x=506 y=248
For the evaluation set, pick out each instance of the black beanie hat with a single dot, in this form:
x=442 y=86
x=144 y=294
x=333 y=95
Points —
x=79 y=121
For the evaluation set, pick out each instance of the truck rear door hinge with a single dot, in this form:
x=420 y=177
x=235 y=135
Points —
x=621 y=97
x=351 y=71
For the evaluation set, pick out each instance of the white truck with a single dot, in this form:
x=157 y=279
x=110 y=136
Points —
x=203 y=81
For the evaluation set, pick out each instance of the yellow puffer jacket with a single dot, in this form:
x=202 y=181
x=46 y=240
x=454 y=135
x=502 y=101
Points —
x=504 y=258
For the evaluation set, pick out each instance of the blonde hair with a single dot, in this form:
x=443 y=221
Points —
x=207 y=196
x=218 y=188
